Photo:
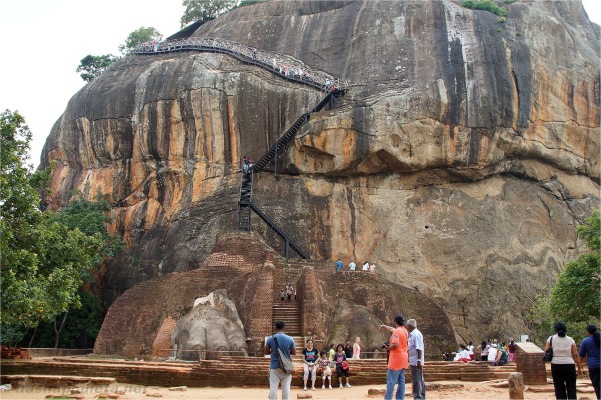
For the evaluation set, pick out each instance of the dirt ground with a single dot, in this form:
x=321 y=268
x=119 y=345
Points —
x=470 y=390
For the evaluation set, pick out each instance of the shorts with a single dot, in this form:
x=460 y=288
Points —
x=327 y=371
x=340 y=371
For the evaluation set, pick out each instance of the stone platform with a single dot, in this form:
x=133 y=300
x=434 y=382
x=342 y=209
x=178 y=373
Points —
x=249 y=371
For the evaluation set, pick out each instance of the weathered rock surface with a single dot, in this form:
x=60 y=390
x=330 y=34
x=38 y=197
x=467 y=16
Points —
x=462 y=158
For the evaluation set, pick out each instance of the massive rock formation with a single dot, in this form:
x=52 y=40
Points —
x=462 y=158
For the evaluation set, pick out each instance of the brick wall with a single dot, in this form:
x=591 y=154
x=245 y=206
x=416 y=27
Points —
x=313 y=305
x=162 y=341
x=237 y=264
x=529 y=361
x=261 y=309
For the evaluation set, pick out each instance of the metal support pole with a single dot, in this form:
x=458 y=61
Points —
x=275 y=161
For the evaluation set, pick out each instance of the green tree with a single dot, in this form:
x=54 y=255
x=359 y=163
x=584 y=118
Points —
x=574 y=298
x=486 y=5
x=93 y=66
x=139 y=36
x=44 y=263
x=205 y=10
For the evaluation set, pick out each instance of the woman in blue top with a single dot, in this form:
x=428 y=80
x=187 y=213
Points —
x=589 y=348
x=310 y=363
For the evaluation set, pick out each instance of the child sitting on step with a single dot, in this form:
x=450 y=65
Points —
x=326 y=370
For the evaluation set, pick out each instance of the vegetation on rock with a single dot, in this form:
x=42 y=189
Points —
x=205 y=10
x=486 y=5
x=93 y=66
x=139 y=36
x=574 y=299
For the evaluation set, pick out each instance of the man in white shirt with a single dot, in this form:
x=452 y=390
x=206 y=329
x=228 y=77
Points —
x=415 y=349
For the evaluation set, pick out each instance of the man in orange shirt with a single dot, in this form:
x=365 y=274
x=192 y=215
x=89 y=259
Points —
x=398 y=359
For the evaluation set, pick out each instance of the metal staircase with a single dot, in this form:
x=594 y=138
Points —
x=246 y=205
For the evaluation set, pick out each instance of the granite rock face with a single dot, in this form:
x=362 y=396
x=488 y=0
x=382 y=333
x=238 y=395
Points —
x=464 y=153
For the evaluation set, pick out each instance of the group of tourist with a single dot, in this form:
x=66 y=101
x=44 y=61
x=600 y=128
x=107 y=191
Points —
x=491 y=351
x=367 y=266
x=405 y=351
x=287 y=293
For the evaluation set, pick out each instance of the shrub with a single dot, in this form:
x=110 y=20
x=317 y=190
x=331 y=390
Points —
x=486 y=5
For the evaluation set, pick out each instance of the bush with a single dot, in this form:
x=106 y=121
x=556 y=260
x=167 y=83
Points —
x=486 y=5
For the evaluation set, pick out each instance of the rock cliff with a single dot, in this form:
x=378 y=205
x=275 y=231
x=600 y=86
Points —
x=465 y=151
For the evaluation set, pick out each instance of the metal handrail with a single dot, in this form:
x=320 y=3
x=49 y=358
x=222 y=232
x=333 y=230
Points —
x=285 y=66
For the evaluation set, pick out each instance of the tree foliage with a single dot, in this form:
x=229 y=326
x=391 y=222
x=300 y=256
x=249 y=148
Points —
x=486 y=5
x=139 y=36
x=205 y=10
x=574 y=298
x=44 y=258
x=93 y=66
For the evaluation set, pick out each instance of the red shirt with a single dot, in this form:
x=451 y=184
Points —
x=399 y=357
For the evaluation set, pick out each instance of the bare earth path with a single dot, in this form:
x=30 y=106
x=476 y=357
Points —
x=471 y=390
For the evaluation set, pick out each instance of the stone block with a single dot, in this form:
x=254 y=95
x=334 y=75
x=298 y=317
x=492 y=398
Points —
x=516 y=385
x=376 y=392
x=304 y=396
x=179 y=388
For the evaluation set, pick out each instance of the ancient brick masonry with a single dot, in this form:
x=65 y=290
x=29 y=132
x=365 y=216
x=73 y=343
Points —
x=237 y=264
x=529 y=361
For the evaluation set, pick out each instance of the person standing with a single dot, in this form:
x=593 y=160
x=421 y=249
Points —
x=276 y=375
x=348 y=350
x=589 y=348
x=357 y=348
x=339 y=265
x=331 y=352
x=398 y=359
x=563 y=362
x=310 y=364
x=352 y=266
x=415 y=349
x=511 y=351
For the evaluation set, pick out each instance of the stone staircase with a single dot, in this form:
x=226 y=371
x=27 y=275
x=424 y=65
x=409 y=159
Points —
x=289 y=312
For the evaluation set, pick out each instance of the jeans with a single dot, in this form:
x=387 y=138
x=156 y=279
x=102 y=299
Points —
x=419 y=386
x=277 y=376
x=564 y=380
x=392 y=378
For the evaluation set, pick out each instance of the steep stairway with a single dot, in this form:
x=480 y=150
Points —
x=289 y=312
x=246 y=205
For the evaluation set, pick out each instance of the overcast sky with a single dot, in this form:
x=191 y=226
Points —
x=44 y=40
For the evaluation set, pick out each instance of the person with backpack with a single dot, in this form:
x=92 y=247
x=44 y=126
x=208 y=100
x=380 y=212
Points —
x=590 y=349
x=276 y=375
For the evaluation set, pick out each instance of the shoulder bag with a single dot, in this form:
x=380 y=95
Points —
x=549 y=353
x=285 y=363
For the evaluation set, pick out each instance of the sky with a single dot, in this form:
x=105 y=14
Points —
x=44 y=41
